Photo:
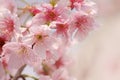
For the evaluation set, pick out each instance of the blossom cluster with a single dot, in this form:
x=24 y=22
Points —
x=38 y=35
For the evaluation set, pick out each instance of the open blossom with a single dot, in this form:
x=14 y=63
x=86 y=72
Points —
x=59 y=59
x=53 y=63
x=41 y=40
x=61 y=30
x=8 y=24
x=50 y=13
x=18 y=54
x=52 y=57
x=82 y=23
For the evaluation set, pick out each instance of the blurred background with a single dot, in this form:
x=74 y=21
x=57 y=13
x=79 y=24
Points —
x=98 y=56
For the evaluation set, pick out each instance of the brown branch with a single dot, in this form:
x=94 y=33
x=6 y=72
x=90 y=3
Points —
x=25 y=75
x=19 y=72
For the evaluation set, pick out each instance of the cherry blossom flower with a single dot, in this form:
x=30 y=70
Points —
x=50 y=13
x=63 y=61
x=61 y=30
x=41 y=40
x=19 y=54
x=8 y=24
x=52 y=57
x=49 y=67
x=73 y=2
x=82 y=24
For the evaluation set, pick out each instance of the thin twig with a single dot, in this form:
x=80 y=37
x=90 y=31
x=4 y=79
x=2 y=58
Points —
x=25 y=75
x=19 y=72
